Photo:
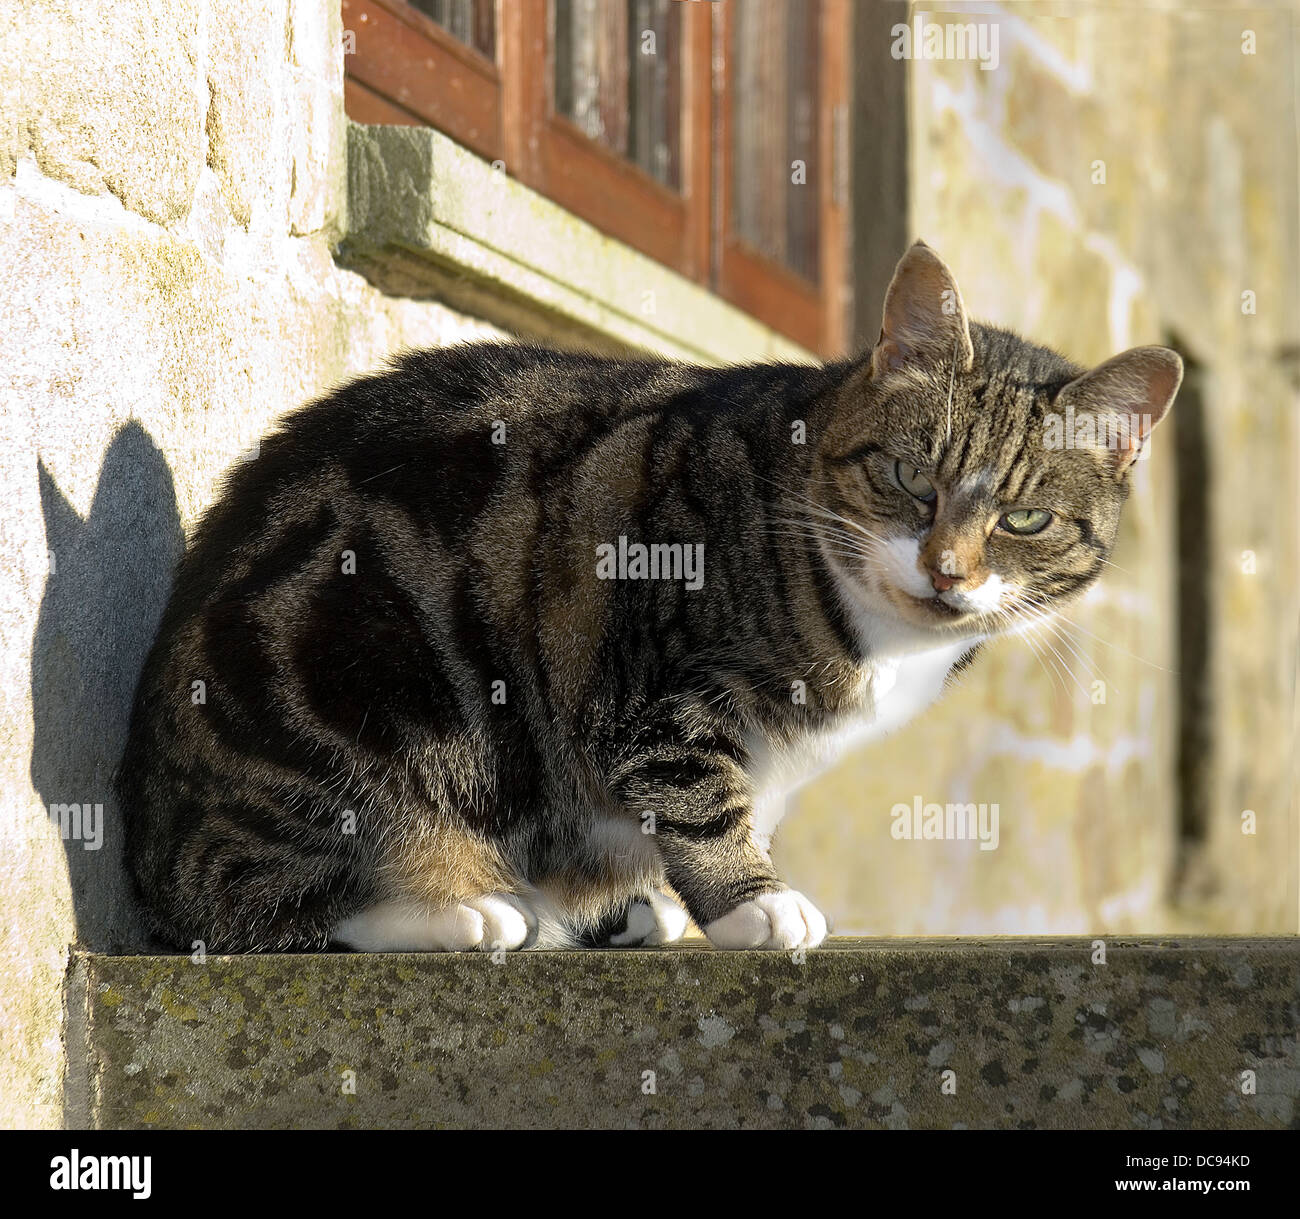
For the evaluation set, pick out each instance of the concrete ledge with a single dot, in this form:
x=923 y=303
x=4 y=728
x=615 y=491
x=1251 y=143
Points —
x=859 y=1034
x=428 y=218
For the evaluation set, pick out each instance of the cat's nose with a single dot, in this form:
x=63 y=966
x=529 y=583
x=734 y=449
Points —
x=943 y=582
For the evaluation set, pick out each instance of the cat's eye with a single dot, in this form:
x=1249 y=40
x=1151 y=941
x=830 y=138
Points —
x=1026 y=521
x=914 y=482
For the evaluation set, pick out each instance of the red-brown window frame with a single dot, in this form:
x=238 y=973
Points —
x=813 y=314
x=445 y=84
x=505 y=111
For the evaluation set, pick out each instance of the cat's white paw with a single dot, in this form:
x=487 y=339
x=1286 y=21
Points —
x=783 y=920
x=485 y=924
x=656 y=920
x=507 y=921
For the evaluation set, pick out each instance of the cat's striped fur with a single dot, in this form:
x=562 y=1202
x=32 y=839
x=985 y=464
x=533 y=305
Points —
x=392 y=703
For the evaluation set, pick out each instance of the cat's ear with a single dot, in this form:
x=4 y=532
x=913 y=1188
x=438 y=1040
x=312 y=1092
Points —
x=1130 y=393
x=925 y=319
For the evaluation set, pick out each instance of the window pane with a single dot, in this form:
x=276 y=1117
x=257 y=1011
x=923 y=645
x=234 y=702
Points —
x=774 y=130
x=472 y=22
x=618 y=77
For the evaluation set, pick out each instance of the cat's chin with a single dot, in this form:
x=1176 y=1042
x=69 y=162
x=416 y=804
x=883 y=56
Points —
x=923 y=615
x=932 y=611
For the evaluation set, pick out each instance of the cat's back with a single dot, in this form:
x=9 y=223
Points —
x=420 y=451
x=424 y=408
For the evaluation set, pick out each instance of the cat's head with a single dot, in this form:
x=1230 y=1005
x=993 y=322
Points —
x=969 y=478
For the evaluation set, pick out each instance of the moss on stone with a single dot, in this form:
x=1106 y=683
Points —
x=861 y=1034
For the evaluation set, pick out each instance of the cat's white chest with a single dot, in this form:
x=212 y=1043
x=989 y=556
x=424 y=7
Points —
x=893 y=690
x=902 y=687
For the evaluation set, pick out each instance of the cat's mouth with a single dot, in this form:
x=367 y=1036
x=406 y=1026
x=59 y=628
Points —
x=934 y=610
x=939 y=607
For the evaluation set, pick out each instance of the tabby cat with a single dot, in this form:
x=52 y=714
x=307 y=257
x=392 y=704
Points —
x=490 y=649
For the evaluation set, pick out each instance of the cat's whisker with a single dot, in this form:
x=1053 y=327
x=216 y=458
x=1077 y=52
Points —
x=832 y=524
x=837 y=538
x=842 y=544
x=1041 y=612
x=821 y=510
x=1029 y=621
x=1004 y=616
x=1052 y=672
x=837 y=546
x=830 y=519
x=827 y=528
x=1070 y=622
x=815 y=510
x=1080 y=663
x=1084 y=656
x=1065 y=665
x=1063 y=623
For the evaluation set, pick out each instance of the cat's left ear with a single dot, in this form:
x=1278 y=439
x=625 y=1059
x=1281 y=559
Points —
x=1131 y=393
x=924 y=321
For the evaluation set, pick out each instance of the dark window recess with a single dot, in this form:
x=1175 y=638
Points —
x=618 y=78
x=1196 y=695
x=775 y=202
x=472 y=22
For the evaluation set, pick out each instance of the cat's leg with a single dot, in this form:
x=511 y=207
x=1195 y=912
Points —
x=691 y=780
x=652 y=920
x=489 y=923
x=645 y=921
x=602 y=884
x=771 y=920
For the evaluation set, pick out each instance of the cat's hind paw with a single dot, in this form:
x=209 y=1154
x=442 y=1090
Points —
x=489 y=923
x=652 y=920
x=782 y=921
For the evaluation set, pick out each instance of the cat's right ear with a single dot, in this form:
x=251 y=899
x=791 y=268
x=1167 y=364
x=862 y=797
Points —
x=1129 y=394
x=925 y=319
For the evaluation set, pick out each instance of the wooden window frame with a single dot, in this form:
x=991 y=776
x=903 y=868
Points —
x=813 y=314
x=557 y=159
x=505 y=111
x=446 y=85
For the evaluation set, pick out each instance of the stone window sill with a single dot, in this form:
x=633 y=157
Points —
x=430 y=220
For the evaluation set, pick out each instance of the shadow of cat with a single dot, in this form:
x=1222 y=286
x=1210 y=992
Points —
x=108 y=584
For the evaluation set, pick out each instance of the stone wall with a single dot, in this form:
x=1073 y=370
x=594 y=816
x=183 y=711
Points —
x=171 y=187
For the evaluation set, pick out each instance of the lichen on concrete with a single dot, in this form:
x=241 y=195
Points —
x=889 y=1034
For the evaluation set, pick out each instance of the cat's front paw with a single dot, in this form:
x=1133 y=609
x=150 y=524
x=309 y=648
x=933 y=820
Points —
x=783 y=920
x=655 y=919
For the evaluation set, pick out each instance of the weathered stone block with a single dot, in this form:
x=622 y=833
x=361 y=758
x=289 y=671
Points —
x=900 y=1033
x=106 y=104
